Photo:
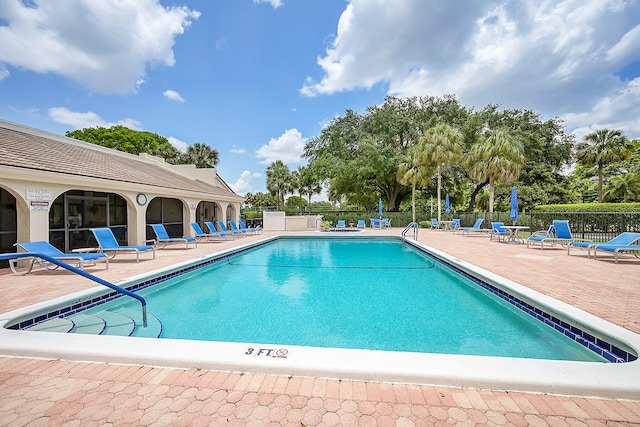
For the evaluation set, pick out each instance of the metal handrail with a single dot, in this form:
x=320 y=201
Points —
x=413 y=225
x=83 y=273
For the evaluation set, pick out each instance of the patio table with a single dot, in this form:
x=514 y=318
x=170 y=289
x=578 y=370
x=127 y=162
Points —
x=514 y=231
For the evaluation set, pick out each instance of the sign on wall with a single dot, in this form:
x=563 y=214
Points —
x=38 y=206
x=39 y=195
x=39 y=200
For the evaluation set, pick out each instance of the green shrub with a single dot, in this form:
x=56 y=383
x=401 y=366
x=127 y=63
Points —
x=590 y=207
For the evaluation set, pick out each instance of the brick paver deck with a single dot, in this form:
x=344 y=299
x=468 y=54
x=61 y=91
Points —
x=38 y=392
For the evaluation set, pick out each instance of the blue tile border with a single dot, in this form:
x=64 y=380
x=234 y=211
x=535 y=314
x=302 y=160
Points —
x=598 y=345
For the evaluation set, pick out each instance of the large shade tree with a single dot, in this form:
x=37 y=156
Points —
x=128 y=140
x=601 y=148
x=441 y=144
x=359 y=154
x=496 y=157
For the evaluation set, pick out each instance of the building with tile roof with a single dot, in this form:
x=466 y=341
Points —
x=56 y=188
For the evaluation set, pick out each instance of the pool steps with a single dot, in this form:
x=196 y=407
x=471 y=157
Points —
x=57 y=324
x=124 y=322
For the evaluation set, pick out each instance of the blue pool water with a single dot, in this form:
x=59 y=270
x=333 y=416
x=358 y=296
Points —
x=349 y=293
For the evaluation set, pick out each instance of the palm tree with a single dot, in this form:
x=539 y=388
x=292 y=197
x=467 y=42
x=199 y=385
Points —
x=278 y=181
x=601 y=148
x=413 y=171
x=296 y=185
x=441 y=144
x=202 y=156
x=309 y=182
x=497 y=157
x=624 y=188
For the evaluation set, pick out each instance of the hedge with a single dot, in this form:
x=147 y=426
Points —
x=590 y=207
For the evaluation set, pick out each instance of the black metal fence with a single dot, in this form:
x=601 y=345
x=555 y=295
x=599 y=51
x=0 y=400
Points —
x=599 y=226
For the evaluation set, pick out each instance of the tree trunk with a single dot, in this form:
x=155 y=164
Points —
x=474 y=194
x=392 y=192
x=599 y=183
x=439 y=183
x=491 y=190
x=413 y=202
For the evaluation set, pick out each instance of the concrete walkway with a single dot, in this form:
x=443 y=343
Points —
x=38 y=392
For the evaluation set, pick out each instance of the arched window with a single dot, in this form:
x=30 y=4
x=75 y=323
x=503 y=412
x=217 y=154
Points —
x=75 y=212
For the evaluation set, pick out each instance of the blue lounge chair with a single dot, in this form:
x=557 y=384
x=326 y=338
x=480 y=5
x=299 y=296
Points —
x=256 y=230
x=561 y=235
x=386 y=223
x=455 y=224
x=108 y=243
x=225 y=230
x=498 y=230
x=163 y=237
x=340 y=224
x=361 y=224
x=539 y=237
x=46 y=248
x=212 y=229
x=476 y=228
x=622 y=243
x=435 y=224
x=200 y=234
x=235 y=228
x=376 y=223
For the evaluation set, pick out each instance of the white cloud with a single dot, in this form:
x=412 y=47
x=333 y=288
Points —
x=172 y=95
x=288 y=147
x=180 y=145
x=275 y=3
x=556 y=57
x=88 y=119
x=104 y=46
x=616 y=111
x=627 y=48
x=243 y=185
x=4 y=73
x=238 y=150
x=30 y=110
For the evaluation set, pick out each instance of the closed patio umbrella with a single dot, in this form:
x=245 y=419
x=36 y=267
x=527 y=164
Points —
x=514 y=205
x=446 y=205
x=380 y=208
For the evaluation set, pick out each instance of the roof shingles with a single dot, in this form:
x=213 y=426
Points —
x=25 y=150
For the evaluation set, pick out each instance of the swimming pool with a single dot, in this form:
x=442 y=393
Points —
x=375 y=294
x=363 y=364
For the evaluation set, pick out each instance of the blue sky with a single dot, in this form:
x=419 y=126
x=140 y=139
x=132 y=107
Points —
x=255 y=79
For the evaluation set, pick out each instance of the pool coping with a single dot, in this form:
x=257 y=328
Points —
x=611 y=380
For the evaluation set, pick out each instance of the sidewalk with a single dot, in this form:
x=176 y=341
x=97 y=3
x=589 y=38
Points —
x=53 y=392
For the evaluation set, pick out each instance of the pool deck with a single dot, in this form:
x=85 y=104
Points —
x=56 y=392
